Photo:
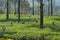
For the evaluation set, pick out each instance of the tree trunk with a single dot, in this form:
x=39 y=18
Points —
x=38 y=9
x=48 y=7
x=15 y=8
x=54 y=7
x=7 y=16
x=41 y=14
x=33 y=7
x=51 y=7
x=18 y=11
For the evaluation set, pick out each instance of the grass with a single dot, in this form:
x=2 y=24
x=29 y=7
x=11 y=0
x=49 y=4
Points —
x=30 y=28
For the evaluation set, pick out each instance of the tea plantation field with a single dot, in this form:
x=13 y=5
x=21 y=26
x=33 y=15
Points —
x=30 y=30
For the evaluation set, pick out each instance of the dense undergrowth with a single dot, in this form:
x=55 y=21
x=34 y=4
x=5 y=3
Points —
x=30 y=30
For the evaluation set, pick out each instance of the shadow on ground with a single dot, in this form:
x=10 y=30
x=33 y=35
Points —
x=15 y=20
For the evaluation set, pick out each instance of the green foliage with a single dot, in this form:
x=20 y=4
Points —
x=30 y=29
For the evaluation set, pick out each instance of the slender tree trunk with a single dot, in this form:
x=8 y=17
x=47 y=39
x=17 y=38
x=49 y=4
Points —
x=15 y=8
x=24 y=7
x=33 y=7
x=41 y=14
x=54 y=6
x=38 y=9
x=48 y=7
x=18 y=11
x=7 y=15
x=51 y=7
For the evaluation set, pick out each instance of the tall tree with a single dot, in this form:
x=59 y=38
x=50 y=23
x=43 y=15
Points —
x=41 y=14
x=48 y=7
x=51 y=7
x=54 y=6
x=38 y=1
x=7 y=15
x=33 y=6
x=18 y=11
x=15 y=7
